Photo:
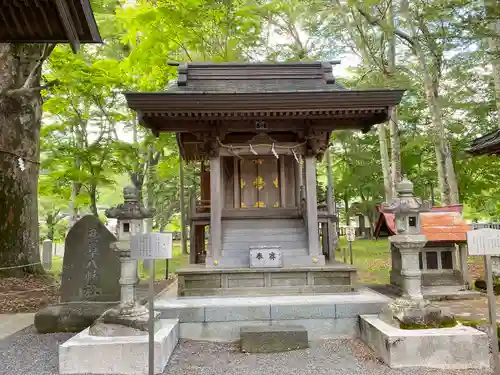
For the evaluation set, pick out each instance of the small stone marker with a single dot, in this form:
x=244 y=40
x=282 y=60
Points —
x=273 y=339
x=47 y=254
x=91 y=269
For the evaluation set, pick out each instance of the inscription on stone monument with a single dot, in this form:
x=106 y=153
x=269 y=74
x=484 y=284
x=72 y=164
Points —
x=91 y=269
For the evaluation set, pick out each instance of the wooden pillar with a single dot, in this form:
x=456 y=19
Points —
x=215 y=209
x=298 y=182
x=182 y=206
x=312 y=206
x=236 y=183
x=282 y=183
x=193 y=244
x=331 y=226
x=324 y=240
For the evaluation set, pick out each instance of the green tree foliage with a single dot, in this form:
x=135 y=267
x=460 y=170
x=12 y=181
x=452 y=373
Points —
x=90 y=137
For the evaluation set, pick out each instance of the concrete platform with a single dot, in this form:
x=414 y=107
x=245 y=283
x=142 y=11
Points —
x=446 y=348
x=199 y=280
x=85 y=354
x=325 y=316
x=12 y=323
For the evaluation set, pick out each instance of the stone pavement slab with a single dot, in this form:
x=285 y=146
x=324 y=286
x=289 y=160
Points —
x=472 y=309
x=12 y=323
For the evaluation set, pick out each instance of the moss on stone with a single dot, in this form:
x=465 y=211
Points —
x=447 y=322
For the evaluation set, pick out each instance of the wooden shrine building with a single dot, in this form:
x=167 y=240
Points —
x=488 y=144
x=260 y=128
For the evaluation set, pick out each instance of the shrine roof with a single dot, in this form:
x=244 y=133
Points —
x=208 y=93
x=48 y=21
x=254 y=77
x=488 y=144
x=441 y=224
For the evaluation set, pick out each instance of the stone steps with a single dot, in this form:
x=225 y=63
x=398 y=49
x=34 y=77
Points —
x=325 y=316
x=273 y=339
x=238 y=236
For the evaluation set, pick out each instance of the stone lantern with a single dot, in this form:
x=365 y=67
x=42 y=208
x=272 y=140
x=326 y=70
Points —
x=130 y=313
x=408 y=242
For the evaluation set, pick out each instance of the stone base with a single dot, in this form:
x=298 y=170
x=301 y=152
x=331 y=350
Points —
x=415 y=313
x=442 y=292
x=219 y=319
x=446 y=348
x=112 y=323
x=86 y=354
x=70 y=317
x=197 y=280
x=273 y=339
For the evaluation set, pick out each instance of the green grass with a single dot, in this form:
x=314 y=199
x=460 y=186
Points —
x=178 y=260
x=371 y=257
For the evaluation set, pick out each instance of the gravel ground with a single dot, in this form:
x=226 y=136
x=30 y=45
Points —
x=27 y=353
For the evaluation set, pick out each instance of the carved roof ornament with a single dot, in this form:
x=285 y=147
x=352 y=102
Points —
x=131 y=208
x=405 y=201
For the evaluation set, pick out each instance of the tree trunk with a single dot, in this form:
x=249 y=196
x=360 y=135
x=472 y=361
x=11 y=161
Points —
x=395 y=149
x=20 y=122
x=75 y=185
x=393 y=113
x=384 y=158
x=446 y=172
x=50 y=226
x=346 y=209
x=93 y=200
x=494 y=48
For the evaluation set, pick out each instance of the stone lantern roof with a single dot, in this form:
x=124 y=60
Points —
x=405 y=202
x=131 y=208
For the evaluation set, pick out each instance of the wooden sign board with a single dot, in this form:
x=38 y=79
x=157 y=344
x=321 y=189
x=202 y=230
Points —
x=151 y=246
x=484 y=241
x=350 y=233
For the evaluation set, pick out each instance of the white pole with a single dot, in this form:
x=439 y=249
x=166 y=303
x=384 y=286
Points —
x=492 y=314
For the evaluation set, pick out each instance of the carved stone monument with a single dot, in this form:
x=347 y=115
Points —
x=90 y=274
x=91 y=268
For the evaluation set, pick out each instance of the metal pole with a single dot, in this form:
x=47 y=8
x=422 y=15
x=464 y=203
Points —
x=350 y=251
x=166 y=269
x=492 y=313
x=151 y=323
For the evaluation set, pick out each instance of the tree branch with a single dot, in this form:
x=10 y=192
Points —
x=374 y=21
x=26 y=89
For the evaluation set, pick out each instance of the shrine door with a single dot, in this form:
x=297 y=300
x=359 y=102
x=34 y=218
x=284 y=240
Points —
x=259 y=182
